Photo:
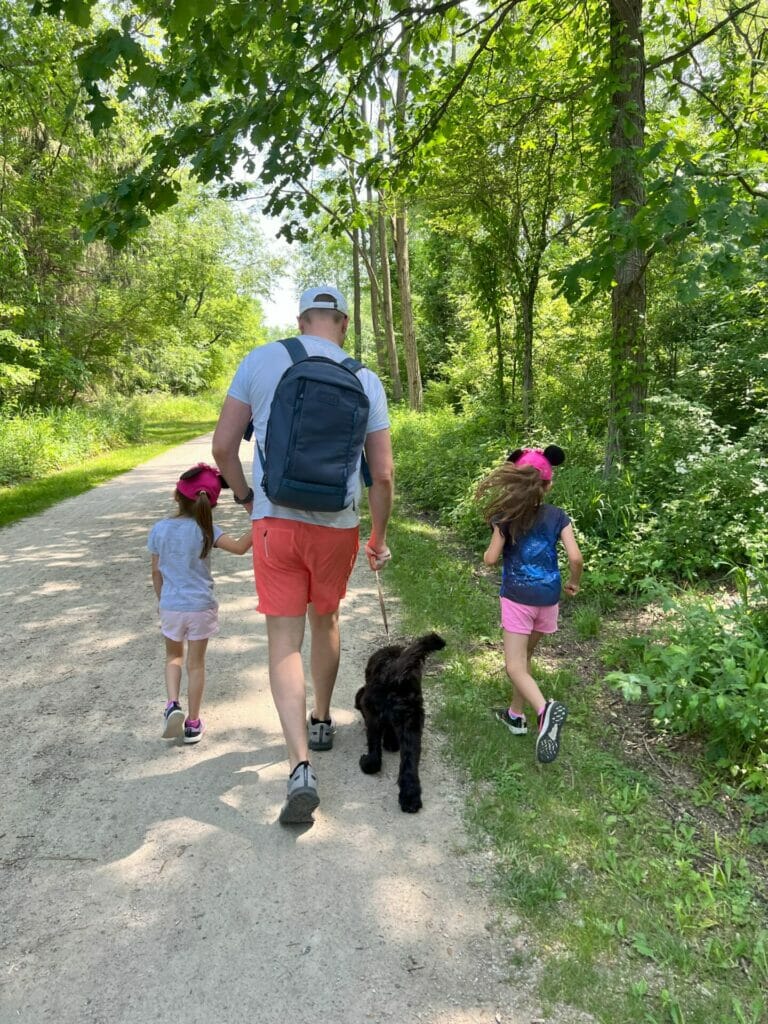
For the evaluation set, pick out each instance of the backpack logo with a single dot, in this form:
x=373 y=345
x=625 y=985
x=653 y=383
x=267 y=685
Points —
x=315 y=432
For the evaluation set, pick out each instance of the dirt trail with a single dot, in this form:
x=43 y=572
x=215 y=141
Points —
x=141 y=881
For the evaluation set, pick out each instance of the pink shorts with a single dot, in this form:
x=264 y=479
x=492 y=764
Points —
x=297 y=564
x=528 y=618
x=189 y=625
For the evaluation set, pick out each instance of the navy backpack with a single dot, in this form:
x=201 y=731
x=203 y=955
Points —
x=315 y=433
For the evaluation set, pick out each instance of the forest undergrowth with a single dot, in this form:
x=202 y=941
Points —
x=639 y=869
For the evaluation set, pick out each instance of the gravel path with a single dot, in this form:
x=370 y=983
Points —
x=141 y=881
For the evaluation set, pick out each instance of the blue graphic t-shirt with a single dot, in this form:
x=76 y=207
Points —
x=531 y=574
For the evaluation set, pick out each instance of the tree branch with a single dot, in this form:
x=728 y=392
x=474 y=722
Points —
x=672 y=57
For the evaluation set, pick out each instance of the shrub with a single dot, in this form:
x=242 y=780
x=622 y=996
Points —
x=706 y=672
x=41 y=442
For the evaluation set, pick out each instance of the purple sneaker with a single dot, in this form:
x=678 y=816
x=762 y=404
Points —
x=193 y=731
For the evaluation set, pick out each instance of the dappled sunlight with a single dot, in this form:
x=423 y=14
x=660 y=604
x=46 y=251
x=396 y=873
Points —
x=419 y=528
x=135 y=845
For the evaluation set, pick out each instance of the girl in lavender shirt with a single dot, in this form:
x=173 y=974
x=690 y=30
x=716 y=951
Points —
x=181 y=575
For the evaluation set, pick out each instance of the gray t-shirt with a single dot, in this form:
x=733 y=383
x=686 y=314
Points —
x=187 y=580
x=254 y=383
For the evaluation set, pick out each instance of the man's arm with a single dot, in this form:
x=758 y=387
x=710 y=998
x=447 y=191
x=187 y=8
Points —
x=378 y=455
x=233 y=419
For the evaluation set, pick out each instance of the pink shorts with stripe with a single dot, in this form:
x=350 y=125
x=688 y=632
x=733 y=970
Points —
x=528 y=618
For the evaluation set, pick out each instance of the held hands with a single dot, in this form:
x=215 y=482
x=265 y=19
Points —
x=377 y=554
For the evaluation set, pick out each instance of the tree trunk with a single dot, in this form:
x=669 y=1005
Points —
x=357 y=320
x=389 y=321
x=527 y=300
x=402 y=261
x=499 y=362
x=378 y=334
x=628 y=358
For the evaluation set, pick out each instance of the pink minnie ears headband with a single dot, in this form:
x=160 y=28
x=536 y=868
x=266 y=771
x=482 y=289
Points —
x=201 y=477
x=544 y=461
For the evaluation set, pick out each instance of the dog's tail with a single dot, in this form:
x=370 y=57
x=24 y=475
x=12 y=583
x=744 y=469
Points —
x=413 y=656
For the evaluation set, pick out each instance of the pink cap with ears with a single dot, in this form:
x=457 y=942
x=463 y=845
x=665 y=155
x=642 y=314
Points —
x=537 y=458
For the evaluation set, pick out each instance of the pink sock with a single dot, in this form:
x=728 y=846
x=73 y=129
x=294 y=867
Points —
x=514 y=714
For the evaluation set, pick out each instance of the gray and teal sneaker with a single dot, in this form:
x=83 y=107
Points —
x=302 y=796
x=320 y=733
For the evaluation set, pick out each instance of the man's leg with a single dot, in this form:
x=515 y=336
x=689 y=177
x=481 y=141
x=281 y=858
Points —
x=324 y=659
x=285 y=634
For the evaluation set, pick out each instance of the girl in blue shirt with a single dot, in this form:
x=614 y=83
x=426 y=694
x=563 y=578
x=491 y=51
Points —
x=526 y=532
x=181 y=576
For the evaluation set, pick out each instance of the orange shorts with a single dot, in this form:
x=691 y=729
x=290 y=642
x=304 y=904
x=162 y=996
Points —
x=297 y=564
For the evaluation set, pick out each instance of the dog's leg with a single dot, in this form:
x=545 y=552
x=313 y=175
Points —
x=370 y=763
x=390 y=739
x=410 y=755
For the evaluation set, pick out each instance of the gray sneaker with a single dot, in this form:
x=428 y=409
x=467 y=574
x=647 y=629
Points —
x=320 y=733
x=302 y=796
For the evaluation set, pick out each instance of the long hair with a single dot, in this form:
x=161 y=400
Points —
x=511 y=497
x=200 y=511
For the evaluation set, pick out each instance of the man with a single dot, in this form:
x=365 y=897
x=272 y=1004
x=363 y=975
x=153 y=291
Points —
x=303 y=560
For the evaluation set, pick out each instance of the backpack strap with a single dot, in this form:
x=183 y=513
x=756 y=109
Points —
x=356 y=366
x=352 y=364
x=297 y=352
x=295 y=349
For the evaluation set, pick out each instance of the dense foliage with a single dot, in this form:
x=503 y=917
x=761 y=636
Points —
x=169 y=311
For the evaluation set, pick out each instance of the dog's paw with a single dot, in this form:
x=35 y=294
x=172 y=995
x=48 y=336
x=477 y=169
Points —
x=410 y=802
x=370 y=764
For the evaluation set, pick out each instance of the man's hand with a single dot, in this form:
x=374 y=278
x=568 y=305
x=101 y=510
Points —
x=377 y=554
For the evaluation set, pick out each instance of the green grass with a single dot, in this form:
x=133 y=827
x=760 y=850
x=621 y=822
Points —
x=162 y=431
x=642 y=914
x=586 y=621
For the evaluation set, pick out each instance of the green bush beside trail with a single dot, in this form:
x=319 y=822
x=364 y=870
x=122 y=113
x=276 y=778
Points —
x=38 y=443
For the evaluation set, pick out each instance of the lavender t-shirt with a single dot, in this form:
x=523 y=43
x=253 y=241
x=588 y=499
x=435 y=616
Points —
x=187 y=580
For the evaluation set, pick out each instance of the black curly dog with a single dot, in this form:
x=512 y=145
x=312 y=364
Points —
x=393 y=710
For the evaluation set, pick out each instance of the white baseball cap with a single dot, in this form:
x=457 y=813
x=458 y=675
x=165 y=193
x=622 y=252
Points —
x=323 y=297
